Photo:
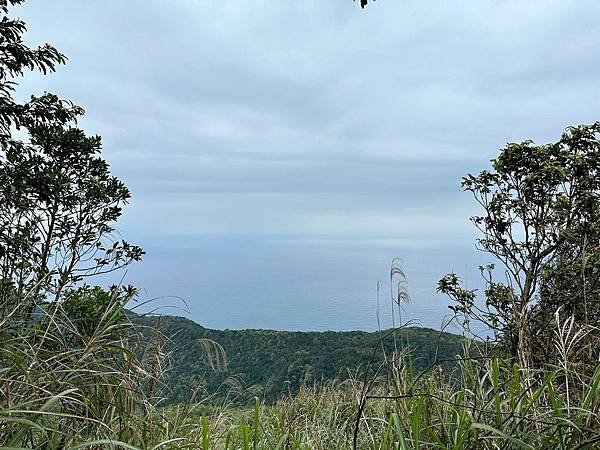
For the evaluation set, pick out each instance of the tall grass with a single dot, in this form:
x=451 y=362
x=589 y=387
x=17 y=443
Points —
x=65 y=388
x=487 y=407
x=64 y=385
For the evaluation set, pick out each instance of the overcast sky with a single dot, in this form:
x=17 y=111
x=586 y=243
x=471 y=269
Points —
x=316 y=120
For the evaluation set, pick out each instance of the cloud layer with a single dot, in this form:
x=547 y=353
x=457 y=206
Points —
x=316 y=116
x=316 y=119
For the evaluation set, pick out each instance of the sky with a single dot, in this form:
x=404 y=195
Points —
x=280 y=154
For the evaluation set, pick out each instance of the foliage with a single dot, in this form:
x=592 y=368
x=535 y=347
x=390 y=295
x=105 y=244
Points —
x=68 y=369
x=97 y=396
x=58 y=200
x=64 y=383
x=490 y=407
x=571 y=285
x=538 y=201
x=87 y=307
x=268 y=363
x=15 y=59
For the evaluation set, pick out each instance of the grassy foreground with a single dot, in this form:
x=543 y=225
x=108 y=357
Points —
x=65 y=389
x=493 y=410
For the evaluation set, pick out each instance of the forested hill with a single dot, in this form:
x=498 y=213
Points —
x=269 y=363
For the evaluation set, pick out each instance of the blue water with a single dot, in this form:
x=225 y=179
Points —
x=293 y=284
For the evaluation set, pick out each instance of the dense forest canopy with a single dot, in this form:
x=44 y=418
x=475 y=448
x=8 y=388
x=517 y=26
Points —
x=272 y=363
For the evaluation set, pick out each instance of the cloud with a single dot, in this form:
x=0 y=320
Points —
x=391 y=105
x=316 y=120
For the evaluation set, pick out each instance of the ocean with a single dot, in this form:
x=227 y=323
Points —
x=295 y=283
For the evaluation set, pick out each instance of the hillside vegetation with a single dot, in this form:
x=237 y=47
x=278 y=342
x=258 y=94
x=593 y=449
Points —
x=268 y=364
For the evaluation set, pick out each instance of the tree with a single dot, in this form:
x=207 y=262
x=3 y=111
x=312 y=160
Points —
x=58 y=200
x=58 y=206
x=570 y=285
x=15 y=59
x=538 y=201
x=88 y=308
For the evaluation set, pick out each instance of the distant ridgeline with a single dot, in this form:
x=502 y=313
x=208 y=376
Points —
x=271 y=363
